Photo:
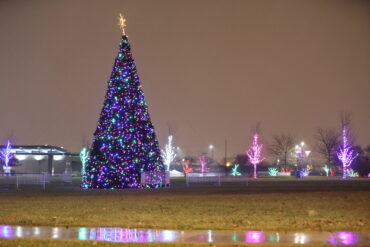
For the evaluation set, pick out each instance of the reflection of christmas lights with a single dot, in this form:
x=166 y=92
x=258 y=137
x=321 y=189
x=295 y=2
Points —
x=300 y=238
x=55 y=232
x=254 y=237
x=18 y=232
x=332 y=240
x=210 y=240
x=347 y=238
x=274 y=237
x=36 y=231
x=127 y=235
x=6 y=231
x=82 y=233
x=168 y=236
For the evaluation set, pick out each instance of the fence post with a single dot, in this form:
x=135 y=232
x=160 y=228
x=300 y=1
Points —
x=17 y=181
x=43 y=180
x=219 y=180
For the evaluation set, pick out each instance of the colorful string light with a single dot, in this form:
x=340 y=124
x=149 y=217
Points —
x=273 y=172
x=326 y=168
x=255 y=154
x=203 y=164
x=346 y=154
x=186 y=168
x=124 y=143
x=84 y=157
x=234 y=170
x=352 y=173
x=6 y=156
x=168 y=154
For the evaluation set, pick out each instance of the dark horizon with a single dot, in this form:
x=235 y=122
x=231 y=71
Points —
x=210 y=70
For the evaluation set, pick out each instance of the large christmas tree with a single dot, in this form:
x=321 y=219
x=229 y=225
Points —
x=124 y=143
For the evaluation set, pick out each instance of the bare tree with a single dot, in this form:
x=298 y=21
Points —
x=257 y=128
x=346 y=120
x=281 y=147
x=327 y=142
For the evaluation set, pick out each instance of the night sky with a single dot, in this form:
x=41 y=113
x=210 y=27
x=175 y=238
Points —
x=210 y=69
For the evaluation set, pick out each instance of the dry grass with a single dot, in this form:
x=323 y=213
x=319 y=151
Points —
x=276 y=206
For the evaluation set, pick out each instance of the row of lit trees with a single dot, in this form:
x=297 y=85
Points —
x=329 y=143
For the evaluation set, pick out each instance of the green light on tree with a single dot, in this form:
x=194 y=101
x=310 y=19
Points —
x=234 y=170
x=273 y=172
x=84 y=157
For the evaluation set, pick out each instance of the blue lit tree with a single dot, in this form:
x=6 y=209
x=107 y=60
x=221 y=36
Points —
x=124 y=143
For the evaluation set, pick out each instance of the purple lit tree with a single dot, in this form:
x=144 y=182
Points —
x=255 y=153
x=346 y=154
x=203 y=163
x=7 y=156
x=124 y=143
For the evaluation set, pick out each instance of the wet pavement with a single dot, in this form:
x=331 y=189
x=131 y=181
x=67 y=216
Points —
x=115 y=234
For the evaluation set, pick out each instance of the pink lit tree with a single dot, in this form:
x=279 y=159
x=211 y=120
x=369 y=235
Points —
x=346 y=154
x=203 y=163
x=255 y=153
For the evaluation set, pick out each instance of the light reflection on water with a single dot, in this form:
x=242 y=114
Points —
x=116 y=234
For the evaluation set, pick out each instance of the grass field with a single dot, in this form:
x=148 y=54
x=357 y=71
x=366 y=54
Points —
x=264 y=205
x=269 y=205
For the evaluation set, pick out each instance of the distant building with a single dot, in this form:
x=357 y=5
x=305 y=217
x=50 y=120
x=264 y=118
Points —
x=52 y=159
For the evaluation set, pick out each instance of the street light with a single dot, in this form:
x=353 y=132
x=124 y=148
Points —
x=301 y=155
x=211 y=148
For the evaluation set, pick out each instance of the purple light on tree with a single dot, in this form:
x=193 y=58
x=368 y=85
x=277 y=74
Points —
x=203 y=163
x=346 y=154
x=255 y=154
x=6 y=156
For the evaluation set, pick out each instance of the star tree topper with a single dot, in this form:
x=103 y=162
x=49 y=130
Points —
x=122 y=23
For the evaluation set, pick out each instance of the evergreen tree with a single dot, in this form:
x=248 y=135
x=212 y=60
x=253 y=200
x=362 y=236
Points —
x=124 y=143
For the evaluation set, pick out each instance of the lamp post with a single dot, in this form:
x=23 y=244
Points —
x=301 y=155
x=211 y=148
